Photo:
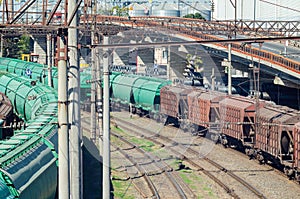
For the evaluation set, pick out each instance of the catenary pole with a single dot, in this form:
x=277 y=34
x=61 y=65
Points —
x=93 y=88
x=229 y=70
x=49 y=63
x=169 y=63
x=106 y=123
x=1 y=45
x=63 y=136
x=99 y=99
x=74 y=104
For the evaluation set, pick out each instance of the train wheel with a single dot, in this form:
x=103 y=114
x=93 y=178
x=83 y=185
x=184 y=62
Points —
x=223 y=140
x=288 y=171
x=156 y=117
x=133 y=110
x=297 y=176
x=140 y=112
x=250 y=152
x=194 y=129
x=260 y=158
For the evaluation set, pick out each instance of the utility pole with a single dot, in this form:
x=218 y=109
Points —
x=1 y=46
x=169 y=63
x=256 y=72
x=74 y=103
x=251 y=68
x=106 y=123
x=63 y=135
x=235 y=18
x=99 y=99
x=53 y=51
x=254 y=12
x=213 y=79
x=93 y=86
x=49 y=63
x=229 y=49
x=98 y=88
x=229 y=70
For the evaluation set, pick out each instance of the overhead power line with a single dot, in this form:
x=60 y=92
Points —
x=275 y=4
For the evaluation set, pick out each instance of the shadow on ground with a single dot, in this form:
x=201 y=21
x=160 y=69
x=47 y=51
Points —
x=92 y=170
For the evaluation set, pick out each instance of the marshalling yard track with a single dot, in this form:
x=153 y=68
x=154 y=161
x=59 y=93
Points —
x=153 y=175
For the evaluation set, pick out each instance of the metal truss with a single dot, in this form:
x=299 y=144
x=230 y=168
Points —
x=46 y=16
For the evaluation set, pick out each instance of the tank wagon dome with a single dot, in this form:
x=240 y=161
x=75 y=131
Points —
x=166 y=10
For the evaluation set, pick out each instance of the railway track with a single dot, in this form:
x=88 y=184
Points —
x=142 y=181
x=264 y=178
x=159 y=167
x=153 y=178
x=189 y=152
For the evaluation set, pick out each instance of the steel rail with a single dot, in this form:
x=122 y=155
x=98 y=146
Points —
x=167 y=171
x=184 y=157
x=147 y=179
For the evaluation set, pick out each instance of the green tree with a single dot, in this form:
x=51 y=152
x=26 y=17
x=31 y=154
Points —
x=10 y=47
x=189 y=16
x=14 y=47
x=198 y=16
x=194 y=60
x=194 y=16
x=23 y=45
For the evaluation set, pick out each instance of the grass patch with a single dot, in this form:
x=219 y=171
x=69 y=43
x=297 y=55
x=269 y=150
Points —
x=175 y=163
x=185 y=178
x=194 y=181
x=121 y=189
x=145 y=145
x=208 y=190
x=114 y=139
x=117 y=129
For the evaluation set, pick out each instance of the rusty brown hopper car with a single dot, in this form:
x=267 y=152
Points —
x=275 y=132
x=296 y=136
x=6 y=116
x=204 y=107
x=237 y=117
x=173 y=100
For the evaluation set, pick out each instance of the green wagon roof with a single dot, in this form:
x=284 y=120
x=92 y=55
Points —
x=121 y=87
x=146 y=89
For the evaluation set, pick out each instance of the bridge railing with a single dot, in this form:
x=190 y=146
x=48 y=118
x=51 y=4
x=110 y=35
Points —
x=255 y=52
x=183 y=26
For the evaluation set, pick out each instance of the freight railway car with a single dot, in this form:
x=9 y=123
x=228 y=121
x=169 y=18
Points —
x=39 y=73
x=139 y=93
x=173 y=102
x=32 y=70
x=274 y=137
x=296 y=163
x=6 y=117
x=237 y=116
x=29 y=158
x=265 y=131
x=204 y=109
